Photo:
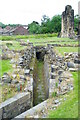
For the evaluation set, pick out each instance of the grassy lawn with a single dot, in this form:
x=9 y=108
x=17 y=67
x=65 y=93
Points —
x=37 y=40
x=14 y=37
x=61 y=50
x=48 y=42
x=69 y=108
x=5 y=66
x=15 y=45
x=48 y=39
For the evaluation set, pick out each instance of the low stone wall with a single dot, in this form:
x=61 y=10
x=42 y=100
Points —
x=32 y=111
x=65 y=45
x=15 y=105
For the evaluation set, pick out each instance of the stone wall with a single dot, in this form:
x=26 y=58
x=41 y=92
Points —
x=79 y=28
x=79 y=8
x=15 y=106
x=59 y=81
x=32 y=112
x=46 y=72
x=68 y=22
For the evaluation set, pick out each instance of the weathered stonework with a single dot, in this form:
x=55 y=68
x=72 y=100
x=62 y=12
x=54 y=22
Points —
x=15 y=106
x=59 y=81
x=79 y=8
x=79 y=28
x=68 y=22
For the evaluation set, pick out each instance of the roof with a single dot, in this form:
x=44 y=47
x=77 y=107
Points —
x=9 y=29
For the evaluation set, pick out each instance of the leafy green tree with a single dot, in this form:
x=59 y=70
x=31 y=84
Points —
x=2 y=25
x=56 y=24
x=76 y=20
x=34 y=28
x=45 y=24
x=50 y=26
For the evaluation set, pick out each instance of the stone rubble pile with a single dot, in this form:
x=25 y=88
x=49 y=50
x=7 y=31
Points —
x=20 y=77
x=73 y=61
x=60 y=77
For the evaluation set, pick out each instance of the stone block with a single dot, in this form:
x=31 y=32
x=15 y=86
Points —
x=70 y=65
x=23 y=97
x=26 y=72
x=53 y=75
x=1 y=113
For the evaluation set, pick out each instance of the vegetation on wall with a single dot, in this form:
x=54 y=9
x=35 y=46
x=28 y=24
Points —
x=69 y=108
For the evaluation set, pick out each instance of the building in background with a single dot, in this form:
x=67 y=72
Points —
x=19 y=30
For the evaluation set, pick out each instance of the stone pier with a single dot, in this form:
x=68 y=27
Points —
x=68 y=22
x=79 y=28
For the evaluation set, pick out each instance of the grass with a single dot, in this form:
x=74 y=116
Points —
x=8 y=92
x=43 y=39
x=69 y=108
x=35 y=37
x=61 y=50
x=15 y=45
x=3 y=38
x=5 y=66
x=51 y=40
x=47 y=39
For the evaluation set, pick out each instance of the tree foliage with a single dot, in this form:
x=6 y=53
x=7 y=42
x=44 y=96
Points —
x=2 y=25
x=76 y=20
x=34 y=27
x=48 y=25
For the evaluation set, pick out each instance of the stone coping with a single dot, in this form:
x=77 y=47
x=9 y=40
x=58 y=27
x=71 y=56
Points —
x=13 y=99
x=31 y=111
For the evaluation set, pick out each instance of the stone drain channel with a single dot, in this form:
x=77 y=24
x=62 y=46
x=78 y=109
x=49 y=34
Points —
x=49 y=74
x=39 y=93
x=36 y=93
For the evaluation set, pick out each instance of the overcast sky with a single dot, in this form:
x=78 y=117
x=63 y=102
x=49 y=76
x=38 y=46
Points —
x=25 y=11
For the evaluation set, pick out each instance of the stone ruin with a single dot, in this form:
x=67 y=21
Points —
x=68 y=22
x=79 y=28
x=79 y=8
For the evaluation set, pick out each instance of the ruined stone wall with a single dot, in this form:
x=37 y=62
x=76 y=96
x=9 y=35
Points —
x=15 y=106
x=46 y=71
x=79 y=28
x=59 y=80
x=68 y=22
x=23 y=100
x=79 y=8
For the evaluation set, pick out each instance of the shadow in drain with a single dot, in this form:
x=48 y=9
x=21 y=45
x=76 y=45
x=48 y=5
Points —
x=39 y=92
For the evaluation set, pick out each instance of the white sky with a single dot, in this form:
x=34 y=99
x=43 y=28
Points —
x=25 y=11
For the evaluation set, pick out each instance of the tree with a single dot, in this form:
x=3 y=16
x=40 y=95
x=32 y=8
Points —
x=34 y=28
x=2 y=25
x=76 y=20
x=50 y=26
x=56 y=23
x=45 y=24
